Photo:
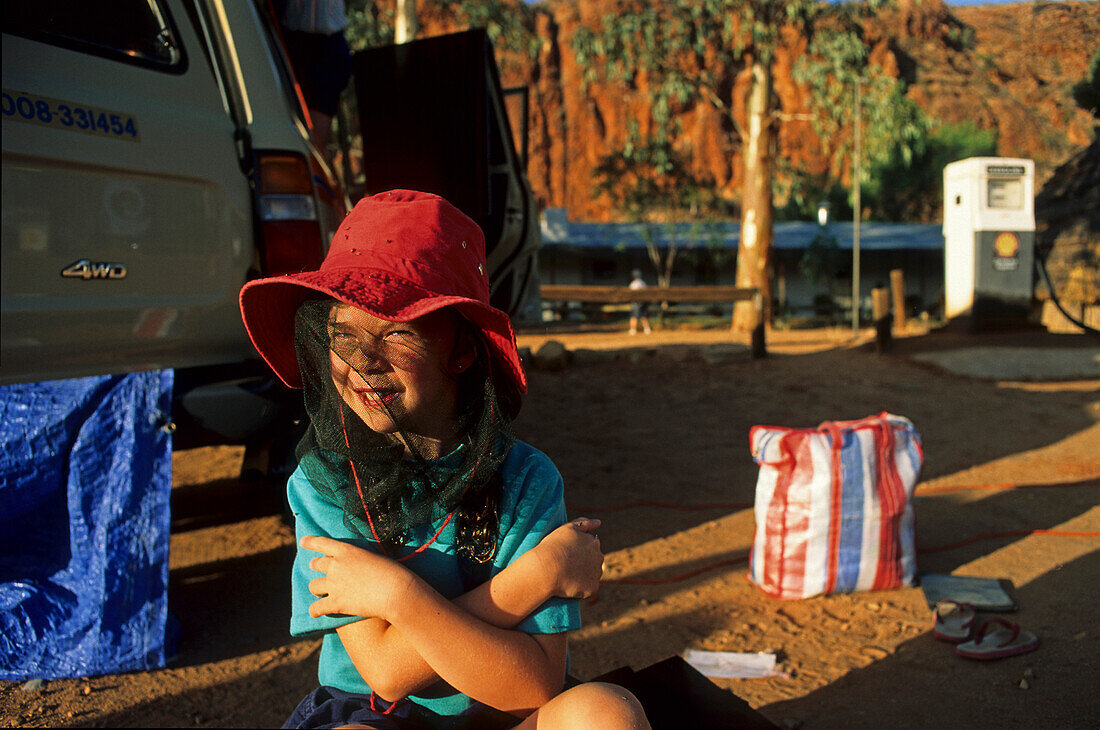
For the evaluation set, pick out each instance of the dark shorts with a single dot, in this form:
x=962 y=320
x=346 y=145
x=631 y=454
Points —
x=327 y=707
x=322 y=65
x=639 y=309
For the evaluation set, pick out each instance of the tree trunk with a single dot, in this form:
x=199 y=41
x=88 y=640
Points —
x=754 y=254
x=406 y=24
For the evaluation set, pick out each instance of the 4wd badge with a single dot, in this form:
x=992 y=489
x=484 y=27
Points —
x=85 y=269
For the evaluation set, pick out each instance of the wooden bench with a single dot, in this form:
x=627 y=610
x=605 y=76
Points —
x=655 y=294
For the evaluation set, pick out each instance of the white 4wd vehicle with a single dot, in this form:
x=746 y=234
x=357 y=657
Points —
x=155 y=157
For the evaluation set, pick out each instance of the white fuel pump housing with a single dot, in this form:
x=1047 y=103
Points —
x=989 y=240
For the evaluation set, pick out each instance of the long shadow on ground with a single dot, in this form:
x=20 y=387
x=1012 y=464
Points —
x=924 y=676
x=664 y=428
x=244 y=702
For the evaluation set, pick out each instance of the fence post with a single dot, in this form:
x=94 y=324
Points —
x=759 y=348
x=880 y=313
x=897 y=284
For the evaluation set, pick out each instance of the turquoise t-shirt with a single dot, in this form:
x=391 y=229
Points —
x=532 y=506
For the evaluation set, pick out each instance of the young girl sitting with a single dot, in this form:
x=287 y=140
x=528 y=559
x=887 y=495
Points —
x=437 y=544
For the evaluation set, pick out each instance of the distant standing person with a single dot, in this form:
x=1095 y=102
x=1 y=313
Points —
x=313 y=31
x=638 y=310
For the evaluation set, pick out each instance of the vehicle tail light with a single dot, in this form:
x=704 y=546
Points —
x=289 y=225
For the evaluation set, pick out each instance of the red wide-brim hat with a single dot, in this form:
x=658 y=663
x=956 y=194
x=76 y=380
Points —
x=398 y=255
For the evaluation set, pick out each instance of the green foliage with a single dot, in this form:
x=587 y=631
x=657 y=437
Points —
x=369 y=25
x=650 y=181
x=678 y=45
x=688 y=50
x=961 y=37
x=894 y=127
x=1086 y=92
x=509 y=26
x=803 y=196
x=891 y=126
x=904 y=185
x=821 y=259
x=912 y=190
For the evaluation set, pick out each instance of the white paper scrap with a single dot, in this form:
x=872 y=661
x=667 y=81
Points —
x=732 y=664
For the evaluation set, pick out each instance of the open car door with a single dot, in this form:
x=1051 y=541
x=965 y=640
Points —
x=433 y=118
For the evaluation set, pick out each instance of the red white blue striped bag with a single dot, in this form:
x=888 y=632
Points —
x=834 y=507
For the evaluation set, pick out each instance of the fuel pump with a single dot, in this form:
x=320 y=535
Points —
x=989 y=241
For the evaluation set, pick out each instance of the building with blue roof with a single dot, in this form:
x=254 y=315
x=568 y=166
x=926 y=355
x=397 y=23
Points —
x=578 y=253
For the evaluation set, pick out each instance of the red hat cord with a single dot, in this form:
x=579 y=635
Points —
x=370 y=520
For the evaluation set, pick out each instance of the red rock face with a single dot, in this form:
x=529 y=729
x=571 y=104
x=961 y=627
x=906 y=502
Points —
x=1005 y=67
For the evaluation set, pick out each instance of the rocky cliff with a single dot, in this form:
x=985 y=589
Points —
x=1009 y=68
x=1006 y=67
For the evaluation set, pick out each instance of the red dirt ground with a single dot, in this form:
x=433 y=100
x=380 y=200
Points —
x=666 y=417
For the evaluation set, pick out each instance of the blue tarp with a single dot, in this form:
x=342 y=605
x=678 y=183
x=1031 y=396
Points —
x=85 y=481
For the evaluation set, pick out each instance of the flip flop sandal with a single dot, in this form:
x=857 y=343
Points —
x=996 y=639
x=954 y=621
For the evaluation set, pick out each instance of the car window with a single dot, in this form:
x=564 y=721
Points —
x=133 y=31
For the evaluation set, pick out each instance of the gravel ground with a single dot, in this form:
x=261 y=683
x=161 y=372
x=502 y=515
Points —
x=1010 y=455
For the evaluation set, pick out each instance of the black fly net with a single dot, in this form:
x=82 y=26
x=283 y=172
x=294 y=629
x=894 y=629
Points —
x=376 y=450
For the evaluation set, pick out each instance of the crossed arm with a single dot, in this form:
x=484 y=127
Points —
x=413 y=636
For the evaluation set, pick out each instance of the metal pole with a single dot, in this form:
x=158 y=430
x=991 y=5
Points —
x=856 y=214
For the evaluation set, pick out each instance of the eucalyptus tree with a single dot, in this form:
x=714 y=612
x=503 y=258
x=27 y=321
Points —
x=894 y=132
x=651 y=182
x=691 y=50
x=509 y=26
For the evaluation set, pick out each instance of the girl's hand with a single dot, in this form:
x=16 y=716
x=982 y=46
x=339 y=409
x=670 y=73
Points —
x=356 y=582
x=572 y=558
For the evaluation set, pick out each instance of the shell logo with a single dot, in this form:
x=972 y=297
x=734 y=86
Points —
x=1006 y=245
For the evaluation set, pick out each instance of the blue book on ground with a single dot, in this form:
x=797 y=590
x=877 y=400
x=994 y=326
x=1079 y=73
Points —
x=985 y=594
